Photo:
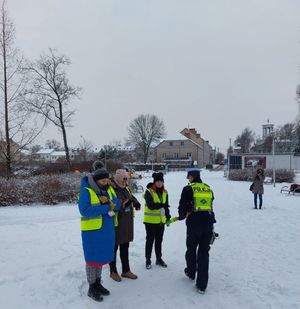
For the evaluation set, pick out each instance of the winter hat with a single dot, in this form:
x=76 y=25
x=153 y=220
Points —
x=97 y=165
x=158 y=176
x=194 y=172
x=100 y=172
x=120 y=175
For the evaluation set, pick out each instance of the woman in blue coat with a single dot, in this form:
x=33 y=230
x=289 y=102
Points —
x=97 y=206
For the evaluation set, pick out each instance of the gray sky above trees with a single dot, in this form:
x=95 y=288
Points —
x=218 y=66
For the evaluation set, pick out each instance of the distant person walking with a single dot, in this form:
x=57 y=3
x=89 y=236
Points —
x=124 y=229
x=156 y=213
x=97 y=205
x=196 y=206
x=258 y=187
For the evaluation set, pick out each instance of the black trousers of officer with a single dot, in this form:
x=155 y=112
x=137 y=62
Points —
x=197 y=254
x=154 y=232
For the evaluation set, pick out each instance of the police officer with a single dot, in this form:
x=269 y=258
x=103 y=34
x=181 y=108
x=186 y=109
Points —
x=196 y=207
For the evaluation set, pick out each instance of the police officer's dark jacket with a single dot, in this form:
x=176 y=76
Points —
x=186 y=204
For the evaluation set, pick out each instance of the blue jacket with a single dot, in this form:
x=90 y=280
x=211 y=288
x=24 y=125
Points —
x=98 y=245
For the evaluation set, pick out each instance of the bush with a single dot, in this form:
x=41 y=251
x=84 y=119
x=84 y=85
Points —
x=46 y=189
x=282 y=175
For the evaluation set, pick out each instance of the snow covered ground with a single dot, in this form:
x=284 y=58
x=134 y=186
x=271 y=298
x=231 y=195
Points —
x=254 y=264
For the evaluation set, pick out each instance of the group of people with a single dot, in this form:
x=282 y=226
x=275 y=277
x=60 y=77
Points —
x=107 y=209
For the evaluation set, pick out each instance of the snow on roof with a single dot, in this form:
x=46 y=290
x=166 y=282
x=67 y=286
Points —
x=45 y=151
x=58 y=153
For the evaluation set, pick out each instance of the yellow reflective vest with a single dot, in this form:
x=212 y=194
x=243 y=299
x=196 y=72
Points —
x=155 y=216
x=95 y=223
x=203 y=196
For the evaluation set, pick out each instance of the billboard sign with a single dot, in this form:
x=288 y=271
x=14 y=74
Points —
x=254 y=161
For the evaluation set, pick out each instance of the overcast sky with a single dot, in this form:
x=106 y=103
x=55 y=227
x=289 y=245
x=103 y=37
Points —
x=216 y=65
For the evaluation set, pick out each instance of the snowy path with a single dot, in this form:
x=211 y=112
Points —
x=254 y=264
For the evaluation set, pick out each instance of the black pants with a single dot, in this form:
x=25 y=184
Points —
x=197 y=256
x=260 y=200
x=124 y=248
x=154 y=232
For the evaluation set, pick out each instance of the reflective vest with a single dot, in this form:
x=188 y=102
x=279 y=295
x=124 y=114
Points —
x=155 y=216
x=203 y=196
x=95 y=223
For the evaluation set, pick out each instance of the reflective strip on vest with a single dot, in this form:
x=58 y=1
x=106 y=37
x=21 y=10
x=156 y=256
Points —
x=112 y=194
x=155 y=216
x=95 y=223
x=203 y=196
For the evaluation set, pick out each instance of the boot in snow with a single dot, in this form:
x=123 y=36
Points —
x=148 y=264
x=103 y=291
x=115 y=276
x=129 y=275
x=161 y=263
x=94 y=292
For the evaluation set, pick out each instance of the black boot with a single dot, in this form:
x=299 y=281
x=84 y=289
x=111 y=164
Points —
x=161 y=263
x=188 y=275
x=103 y=291
x=94 y=292
x=148 y=264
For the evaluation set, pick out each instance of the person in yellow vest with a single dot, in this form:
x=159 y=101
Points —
x=156 y=213
x=196 y=207
x=125 y=228
x=97 y=204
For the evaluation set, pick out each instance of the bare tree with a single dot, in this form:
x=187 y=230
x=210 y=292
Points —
x=20 y=128
x=144 y=131
x=51 y=92
x=245 y=140
x=85 y=147
x=53 y=144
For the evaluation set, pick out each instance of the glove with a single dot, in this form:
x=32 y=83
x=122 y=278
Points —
x=103 y=199
x=172 y=220
x=112 y=206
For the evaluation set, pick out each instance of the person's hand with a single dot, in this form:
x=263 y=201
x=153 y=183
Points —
x=103 y=199
x=112 y=206
x=188 y=214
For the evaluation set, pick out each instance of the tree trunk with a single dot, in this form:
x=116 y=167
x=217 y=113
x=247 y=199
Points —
x=7 y=137
x=66 y=147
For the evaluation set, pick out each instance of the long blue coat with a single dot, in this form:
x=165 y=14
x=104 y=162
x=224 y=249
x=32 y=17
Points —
x=98 y=245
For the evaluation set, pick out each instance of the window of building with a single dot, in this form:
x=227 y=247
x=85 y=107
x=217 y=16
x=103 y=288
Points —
x=182 y=143
x=176 y=155
x=188 y=154
x=170 y=143
x=163 y=155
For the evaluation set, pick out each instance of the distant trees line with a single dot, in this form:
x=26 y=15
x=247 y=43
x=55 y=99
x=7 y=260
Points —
x=287 y=139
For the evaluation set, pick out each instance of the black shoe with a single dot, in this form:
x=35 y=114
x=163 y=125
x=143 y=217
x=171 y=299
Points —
x=94 y=292
x=187 y=274
x=201 y=291
x=161 y=263
x=148 y=264
x=103 y=291
x=255 y=208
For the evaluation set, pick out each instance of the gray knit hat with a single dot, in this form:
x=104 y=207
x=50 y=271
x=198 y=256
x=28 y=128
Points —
x=99 y=171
